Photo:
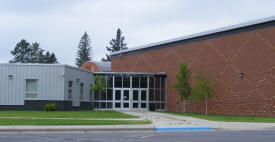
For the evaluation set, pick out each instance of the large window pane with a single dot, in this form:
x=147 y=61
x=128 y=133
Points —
x=126 y=82
x=157 y=95
x=110 y=94
x=109 y=105
x=135 y=95
x=151 y=95
x=103 y=105
x=96 y=95
x=135 y=82
x=110 y=82
x=143 y=82
x=103 y=96
x=126 y=95
x=163 y=106
x=70 y=90
x=162 y=95
x=118 y=95
x=158 y=106
x=118 y=81
x=96 y=104
x=143 y=95
x=157 y=82
x=31 y=88
x=162 y=83
x=143 y=105
x=151 y=82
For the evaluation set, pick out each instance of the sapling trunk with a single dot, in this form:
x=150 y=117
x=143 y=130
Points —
x=205 y=105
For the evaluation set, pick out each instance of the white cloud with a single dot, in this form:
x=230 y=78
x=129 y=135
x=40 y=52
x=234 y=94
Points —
x=59 y=26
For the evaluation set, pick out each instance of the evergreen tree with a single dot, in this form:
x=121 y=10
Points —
x=115 y=45
x=21 y=52
x=50 y=58
x=84 y=52
x=24 y=52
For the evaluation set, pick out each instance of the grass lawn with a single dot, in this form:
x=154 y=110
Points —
x=226 y=118
x=6 y=121
x=66 y=114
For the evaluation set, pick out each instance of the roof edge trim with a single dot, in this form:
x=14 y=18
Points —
x=218 y=30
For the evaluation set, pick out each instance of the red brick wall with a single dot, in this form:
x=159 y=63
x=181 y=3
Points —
x=221 y=59
x=90 y=66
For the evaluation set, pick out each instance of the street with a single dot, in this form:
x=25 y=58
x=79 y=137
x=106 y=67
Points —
x=203 y=136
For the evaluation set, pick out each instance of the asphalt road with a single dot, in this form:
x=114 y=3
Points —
x=212 y=136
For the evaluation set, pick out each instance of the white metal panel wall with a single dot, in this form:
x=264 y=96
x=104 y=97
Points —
x=50 y=82
x=85 y=77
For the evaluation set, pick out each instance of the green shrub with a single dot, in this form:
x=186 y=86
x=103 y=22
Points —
x=50 y=107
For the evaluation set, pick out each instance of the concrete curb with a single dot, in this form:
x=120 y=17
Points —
x=191 y=128
x=76 y=128
x=85 y=128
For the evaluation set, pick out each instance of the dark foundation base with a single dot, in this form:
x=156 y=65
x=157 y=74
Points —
x=39 y=105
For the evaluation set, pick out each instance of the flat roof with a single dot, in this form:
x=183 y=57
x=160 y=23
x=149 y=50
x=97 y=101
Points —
x=132 y=73
x=40 y=64
x=210 y=32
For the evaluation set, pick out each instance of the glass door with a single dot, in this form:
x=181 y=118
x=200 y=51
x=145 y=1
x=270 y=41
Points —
x=143 y=99
x=126 y=99
x=117 y=96
x=140 y=99
x=122 y=99
x=135 y=100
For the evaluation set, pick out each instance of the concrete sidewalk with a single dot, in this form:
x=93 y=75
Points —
x=124 y=119
x=160 y=121
x=169 y=120
x=77 y=128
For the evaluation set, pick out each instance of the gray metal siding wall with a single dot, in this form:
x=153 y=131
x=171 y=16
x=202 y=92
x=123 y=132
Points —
x=72 y=74
x=50 y=82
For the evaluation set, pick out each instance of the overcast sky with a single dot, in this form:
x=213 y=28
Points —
x=59 y=24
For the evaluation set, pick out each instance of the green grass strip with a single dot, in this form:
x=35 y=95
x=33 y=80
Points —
x=6 y=121
x=66 y=114
x=226 y=118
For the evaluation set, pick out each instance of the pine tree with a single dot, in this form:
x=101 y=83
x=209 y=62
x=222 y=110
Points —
x=115 y=45
x=24 y=52
x=84 y=52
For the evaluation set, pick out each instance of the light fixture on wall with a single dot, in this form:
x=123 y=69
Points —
x=241 y=74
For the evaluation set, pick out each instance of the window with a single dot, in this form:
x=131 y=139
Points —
x=110 y=94
x=143 y=82
x=151 y=95
x=110 y=82
x=96 y=95
x=103 y=96
x=70 y=90
x=151 y=82
x=81 y=90
x=135 y=82
x=126 y=82
x=157 y=82
x=31 y=88
x=118 y=81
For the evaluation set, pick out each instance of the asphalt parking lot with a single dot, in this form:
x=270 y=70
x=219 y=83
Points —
x=198 y=136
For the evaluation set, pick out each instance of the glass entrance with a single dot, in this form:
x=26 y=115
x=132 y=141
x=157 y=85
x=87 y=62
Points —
x=126 y=99
x=122 y=98
x=140 y=99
